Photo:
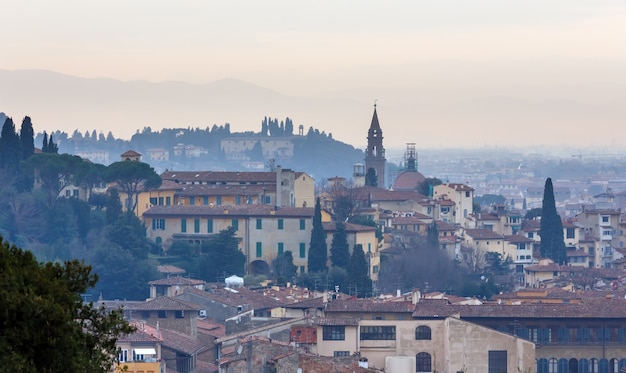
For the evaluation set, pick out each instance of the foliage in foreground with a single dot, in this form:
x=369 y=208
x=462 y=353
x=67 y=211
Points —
x=46 y=327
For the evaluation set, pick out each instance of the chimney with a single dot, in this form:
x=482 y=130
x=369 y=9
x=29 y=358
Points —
x=225 y=211
x=416 y=296
x=398 y=293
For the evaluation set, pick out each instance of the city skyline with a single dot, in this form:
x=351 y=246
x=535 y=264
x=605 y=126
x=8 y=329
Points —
x=444 y=74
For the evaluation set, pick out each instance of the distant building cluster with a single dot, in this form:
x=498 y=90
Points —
x=551 y=318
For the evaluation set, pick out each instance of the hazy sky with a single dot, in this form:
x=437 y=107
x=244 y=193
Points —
x=448 y=59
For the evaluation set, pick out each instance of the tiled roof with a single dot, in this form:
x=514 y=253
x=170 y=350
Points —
x=460 y=187
x=378 y=194
x=224 y=190
x=332 y=321
x=219 y=176
x=590 y=308
x=139 y=336
x=531 y=225
x=410 y=220
x=176 y=280
x=483 y=234
x=576 y=253
x=166 y=304
x=180 y=342
x=238 y=297
x=518 y=239
x=307 y=304
x=408 y=180
x=130 y=153
x=443 y=226
x=367 y=305
x=235 y=211
x=332 y=226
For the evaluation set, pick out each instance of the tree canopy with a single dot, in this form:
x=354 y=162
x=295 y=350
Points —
x=46 y=327
x=133 y=178
x=339 y=249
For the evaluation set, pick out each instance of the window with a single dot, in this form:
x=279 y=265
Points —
x=138 y=357
x=302 y=224
x=158 y=224
x=302 y=250
x=467 y=194
x=168 y=201
x=445 y=210
x=180 y=314
x=237 y=200
x=153 y=201
x=235 y=224
x=67 y=192
x=162 y=314
x=75 y=193
x=378 y=333
x=531 y=235
x=259 y=224
x=553 y=365
x=205 y=200
x=196 y=225
x=341 y=353
x=281 y=247
x=281 y=224
x=268 y=200
x=334 y=333
x=259 y=250
x=422 y=332
x=160 y=201
x=218 y=200
x=183 y=225
x=192 y=201
x=209 y=227
x=497 y=361
x=423 y=362
x=521 y=246
x=301 y=269
x=122 y=357
x=569 y=233
x=605 y=219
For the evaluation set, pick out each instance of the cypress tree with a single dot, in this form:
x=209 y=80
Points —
x=10 y=147
x=371 y=179
x=432 y=237
x=551 y=228
x=44 y=145
x=318 y=254
x=27 y=136
x=358 y=273
x=339 y=249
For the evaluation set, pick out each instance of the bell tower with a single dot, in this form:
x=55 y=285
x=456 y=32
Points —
x=375 y=154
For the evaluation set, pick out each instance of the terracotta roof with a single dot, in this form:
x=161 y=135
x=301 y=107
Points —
x=350 y=227
x=591 y=308
x=483 y=234
x=238 y=297
x=180 y=342
x=576 y=253
x=332 y=321
x=230 y=210
x=518 y=239
x=219 y=176
x=367 y=305
x=531 y=225
x=130 y=153
x=408 y=220
x=177 y=280
x=307 y=304
x=408 y=180
x=224 y=190
x=139 y=336
x=460 y=187
x=166 y=304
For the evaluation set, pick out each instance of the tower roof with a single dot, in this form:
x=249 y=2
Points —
x=375 y=125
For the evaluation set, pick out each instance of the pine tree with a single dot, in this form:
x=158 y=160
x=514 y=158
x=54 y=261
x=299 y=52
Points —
x=551 y=228
x=27 y=136
x=339 y=249
x=318 y=254
x=358 y=273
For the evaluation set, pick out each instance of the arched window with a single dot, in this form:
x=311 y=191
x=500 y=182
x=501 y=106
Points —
x=553 y=365
x=542 y=365
x=422 y=332
x=423 y=362
x=573 y=365
x=593 y=366
x=614 y=366
x=583 y=366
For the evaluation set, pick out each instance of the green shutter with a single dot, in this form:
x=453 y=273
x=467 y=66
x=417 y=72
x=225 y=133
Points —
x=259 y=250
x=210 y=226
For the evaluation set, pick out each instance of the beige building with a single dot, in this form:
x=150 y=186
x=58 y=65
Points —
x=264 y=232
x=436 y=344
x=358 y=235
x=461 y=194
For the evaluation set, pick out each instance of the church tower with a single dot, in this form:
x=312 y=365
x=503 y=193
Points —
x=375 y=154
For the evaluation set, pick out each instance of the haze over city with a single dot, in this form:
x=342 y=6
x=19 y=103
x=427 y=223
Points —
x=445 y=74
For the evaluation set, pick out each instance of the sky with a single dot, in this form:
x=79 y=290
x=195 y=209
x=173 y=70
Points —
x=463 y=73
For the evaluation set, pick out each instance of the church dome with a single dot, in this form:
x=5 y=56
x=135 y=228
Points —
x=408 y=180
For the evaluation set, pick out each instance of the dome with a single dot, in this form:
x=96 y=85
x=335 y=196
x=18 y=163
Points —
x=408 y=180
